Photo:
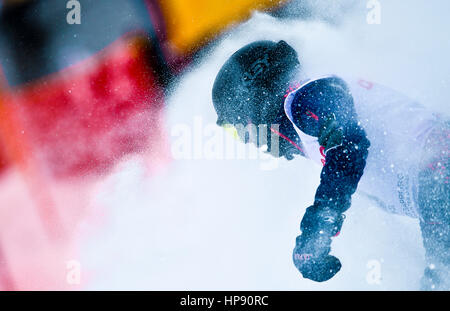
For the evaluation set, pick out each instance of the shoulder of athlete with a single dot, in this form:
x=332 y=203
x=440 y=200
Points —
x=317 y=100
x=324 y=108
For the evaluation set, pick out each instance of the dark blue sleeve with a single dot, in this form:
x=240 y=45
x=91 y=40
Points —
x=343 y=169
x=324 y=108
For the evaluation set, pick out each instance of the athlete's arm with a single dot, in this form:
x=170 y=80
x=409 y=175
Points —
x=325 y=109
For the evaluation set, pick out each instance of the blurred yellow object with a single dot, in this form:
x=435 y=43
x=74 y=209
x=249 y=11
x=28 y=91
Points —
x=190 y=23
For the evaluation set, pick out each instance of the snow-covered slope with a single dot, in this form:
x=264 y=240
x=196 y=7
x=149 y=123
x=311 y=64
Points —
x=231 y=224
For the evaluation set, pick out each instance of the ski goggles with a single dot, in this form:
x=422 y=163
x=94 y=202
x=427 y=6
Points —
x=230 y=129
x=246 y=134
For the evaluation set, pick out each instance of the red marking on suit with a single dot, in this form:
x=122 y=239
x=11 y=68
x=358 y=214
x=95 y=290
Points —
x=365 y=84
x=312 y=115
x=292 y=88
x=322 y=153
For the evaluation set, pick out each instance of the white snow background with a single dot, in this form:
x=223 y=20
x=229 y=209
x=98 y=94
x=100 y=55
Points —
x=228 y=225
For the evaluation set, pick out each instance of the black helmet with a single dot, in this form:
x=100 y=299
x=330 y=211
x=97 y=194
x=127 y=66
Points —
x=251 y=84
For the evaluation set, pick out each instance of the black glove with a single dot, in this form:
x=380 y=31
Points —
x=311 y=252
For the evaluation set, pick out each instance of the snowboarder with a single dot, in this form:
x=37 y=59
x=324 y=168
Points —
x=365 y=136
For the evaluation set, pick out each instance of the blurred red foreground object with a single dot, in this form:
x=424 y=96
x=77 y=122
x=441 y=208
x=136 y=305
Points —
x=59 y=135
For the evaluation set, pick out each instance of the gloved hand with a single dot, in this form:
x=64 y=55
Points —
x=311 y=253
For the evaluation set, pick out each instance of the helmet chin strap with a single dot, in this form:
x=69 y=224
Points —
x=287 y=139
